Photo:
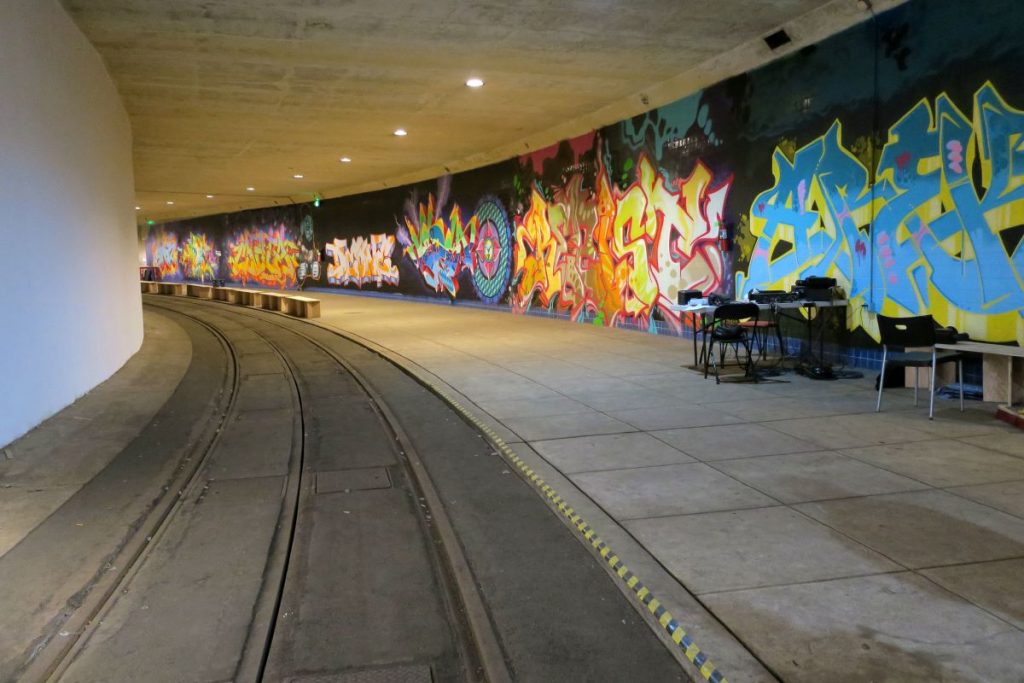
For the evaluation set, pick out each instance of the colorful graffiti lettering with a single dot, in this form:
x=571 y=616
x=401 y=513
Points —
x=929 y=237
x=162 y=248
x=553 y=250
x=198 y=258
x=621 y=255
x=440 y=249
x=364 y=262
x=265 y=256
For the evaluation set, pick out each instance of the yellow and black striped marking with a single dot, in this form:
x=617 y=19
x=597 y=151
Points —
x=671 y=626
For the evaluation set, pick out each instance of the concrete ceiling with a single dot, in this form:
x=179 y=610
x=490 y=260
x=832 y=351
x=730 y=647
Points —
x=228 y=94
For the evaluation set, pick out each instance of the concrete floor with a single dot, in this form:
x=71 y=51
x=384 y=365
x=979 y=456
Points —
x=836 y=544
x=41 y=470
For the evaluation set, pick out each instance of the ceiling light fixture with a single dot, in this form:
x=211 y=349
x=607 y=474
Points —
x=209 y=196
x=250 y=189
x=169 y=203
x=401 y=132
x=345 y=160
x=297 y=176
x=138 y=208
x=475 y=83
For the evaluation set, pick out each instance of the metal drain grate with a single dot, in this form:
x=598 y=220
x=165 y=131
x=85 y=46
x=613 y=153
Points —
x=343 y=481
x=415 y=673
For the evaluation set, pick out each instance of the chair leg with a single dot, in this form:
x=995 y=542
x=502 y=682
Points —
x=960 y=378
x=714 y=362
x=881 y=381
x=749 y=346
x=931 y=397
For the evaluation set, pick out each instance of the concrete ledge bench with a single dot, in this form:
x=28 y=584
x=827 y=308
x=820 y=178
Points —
x=301 y=306
x=200 y=291
x=150 y=287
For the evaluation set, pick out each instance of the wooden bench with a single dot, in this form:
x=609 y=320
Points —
x=233 y=295
x=271 y=301
x=173 y=288
x=301 y=306
x=200 y=291
x=298 y=306
x=252 y=297
x=998 y=362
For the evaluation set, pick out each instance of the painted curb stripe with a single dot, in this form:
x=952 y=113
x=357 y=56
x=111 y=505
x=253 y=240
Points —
x=674 y=629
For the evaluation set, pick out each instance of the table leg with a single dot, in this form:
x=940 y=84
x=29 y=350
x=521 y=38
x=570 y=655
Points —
x=693 y=321
x=704 y=338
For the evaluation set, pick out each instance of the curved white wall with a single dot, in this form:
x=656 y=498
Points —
x=71 y=312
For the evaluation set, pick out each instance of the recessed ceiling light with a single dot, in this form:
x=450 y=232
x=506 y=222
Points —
x=209 y=196
x=400 y=132
x=138 y=208
x=475 y=82
x=250 y=189
x=344 y=160
x=297 y=176
x=169 y=203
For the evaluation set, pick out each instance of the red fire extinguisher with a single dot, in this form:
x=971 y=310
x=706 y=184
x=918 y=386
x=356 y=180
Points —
x=723 y=236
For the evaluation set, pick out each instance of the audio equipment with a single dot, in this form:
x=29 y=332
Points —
x=771 y=296
x=687 y=295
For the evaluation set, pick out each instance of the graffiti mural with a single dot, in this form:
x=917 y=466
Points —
x=366 y=261
x=197 y=258
x=492 y=251
x=309 y=252
x=926 y=237
x=902 y=182
x=441 y=248
x=620 y=255
x=162 y=254
x=264 y=256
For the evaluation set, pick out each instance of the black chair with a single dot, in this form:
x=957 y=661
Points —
x=726 y=328
x=912 y=332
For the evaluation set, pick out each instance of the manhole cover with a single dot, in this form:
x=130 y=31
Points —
x=363 y=479
x=415 y=673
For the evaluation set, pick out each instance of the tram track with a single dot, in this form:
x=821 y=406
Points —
x=53 y=648
x=479 y=654
x=275 y=563
x=465 y=604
